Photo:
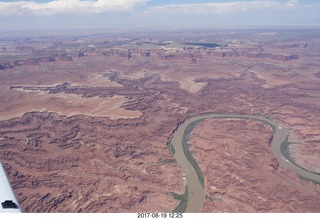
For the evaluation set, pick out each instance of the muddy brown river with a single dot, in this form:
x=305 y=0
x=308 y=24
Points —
x=196 y=196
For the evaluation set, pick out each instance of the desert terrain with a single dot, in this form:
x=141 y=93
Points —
x=252 y=181
x=85 y=119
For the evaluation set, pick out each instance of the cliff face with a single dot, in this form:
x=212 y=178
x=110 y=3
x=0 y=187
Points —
x=273 y=57
x=189 y=56
x=196 y=54
x=38 y=60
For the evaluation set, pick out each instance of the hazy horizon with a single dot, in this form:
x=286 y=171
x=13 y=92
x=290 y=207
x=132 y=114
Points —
x=155 y=14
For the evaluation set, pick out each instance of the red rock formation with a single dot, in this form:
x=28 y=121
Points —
x=94 y=164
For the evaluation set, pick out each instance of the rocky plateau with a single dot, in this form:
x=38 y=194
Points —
x=84 y=124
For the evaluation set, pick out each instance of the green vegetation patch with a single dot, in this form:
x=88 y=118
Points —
x=311 y=180
x=207 y=45
x=285 y=149
x=170 y=146
x=167 y=161
x=257 y=113
x=186 y=147
x=269 y=116
x=183 y=200
x=208 y=198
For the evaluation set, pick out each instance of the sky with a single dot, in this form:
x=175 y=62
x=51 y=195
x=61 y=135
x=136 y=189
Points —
x=46 y=14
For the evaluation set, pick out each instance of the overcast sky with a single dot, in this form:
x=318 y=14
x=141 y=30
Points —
x=158 y=13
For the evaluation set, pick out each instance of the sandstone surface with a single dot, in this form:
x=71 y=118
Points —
x=85 y=128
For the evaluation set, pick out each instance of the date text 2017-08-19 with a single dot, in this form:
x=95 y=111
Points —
x=160 y=215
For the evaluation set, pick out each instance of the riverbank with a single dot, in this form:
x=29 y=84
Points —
x=194 y=176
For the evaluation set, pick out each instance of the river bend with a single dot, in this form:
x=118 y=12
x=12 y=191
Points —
x=196 y=195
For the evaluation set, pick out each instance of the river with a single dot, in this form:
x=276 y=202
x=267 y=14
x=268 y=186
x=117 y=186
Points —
x=196 y=195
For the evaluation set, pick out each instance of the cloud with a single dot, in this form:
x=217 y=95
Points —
x=66 y=6
x=223 y=7
x=292 y=3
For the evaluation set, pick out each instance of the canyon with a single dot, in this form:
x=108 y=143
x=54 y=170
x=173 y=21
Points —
x=85 y=123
